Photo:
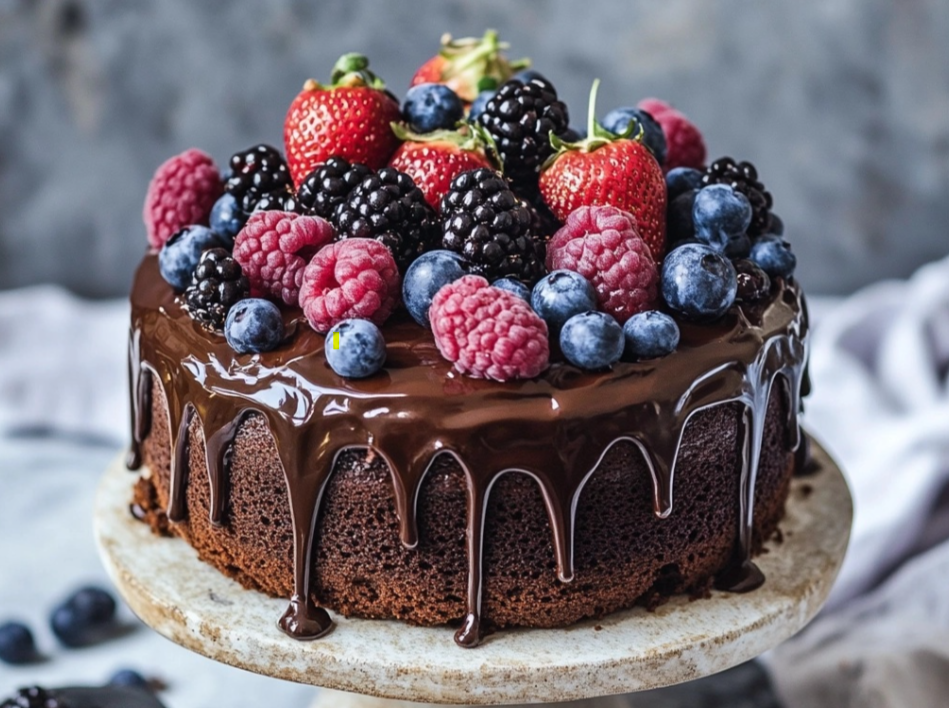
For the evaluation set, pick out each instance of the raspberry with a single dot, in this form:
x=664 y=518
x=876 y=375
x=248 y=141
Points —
x=487 y=332
x=181 y=193
x=352 y=278
x=273 y=248
x=602 y=244
x=685 y=145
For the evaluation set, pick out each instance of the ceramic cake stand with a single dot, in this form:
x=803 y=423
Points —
x=195 y=606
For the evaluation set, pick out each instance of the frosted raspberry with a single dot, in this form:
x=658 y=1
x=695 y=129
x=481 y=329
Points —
x=602 y=244
x=685 y=145
x=487 y=332
x=181 y=193
x=274 y=247
x=356 y=277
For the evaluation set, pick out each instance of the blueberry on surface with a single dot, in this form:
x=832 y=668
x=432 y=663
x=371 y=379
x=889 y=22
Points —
x=722 y=216
x=698 y=281
x=429 y=107
x=227 y=219
x=619 y=119
x=16 y=643
x=592 y=340
x=254 y=325
x=86 y=617
x=680 y=180
x=355 y=349
x=128 y=677
x=773 y=255
x=515 y=287
x=679 y=224
x=477 y=106
x=426 y=276
x=649 y=335
x=181 y=253
x=560 y=295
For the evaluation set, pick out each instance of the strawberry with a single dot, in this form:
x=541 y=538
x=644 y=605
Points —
x=607 y=169
x=350 y=118
x=434 y=159
x=470 y=65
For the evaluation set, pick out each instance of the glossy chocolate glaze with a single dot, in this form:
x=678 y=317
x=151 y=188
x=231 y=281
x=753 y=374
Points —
x=555 y=428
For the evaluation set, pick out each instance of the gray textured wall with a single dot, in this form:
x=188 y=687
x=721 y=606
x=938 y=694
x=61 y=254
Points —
x=842 y=104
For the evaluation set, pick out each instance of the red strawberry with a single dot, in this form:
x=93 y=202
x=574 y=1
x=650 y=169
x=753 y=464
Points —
x=350 y=118
x=608 y=170
x=470 y=65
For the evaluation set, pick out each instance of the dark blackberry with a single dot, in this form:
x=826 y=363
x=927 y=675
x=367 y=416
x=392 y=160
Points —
x=486 y=223
x=753 y=283
x=390 y=208
x=743 y=177
x=543 y=222
x=520 y=117
x=34 y=697
x=260 y=180
x=218 y=283
x=328 y=185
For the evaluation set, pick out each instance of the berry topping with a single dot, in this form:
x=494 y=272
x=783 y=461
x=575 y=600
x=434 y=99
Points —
x=680 y=180
x=254 y=325
x=180 y=255
x=486 y=223
x=513 y=286
x=698 y=282
x=603 y=245
x=34 y=697
x=429 y=107
x=679 y=224
x=425 y=277
x=227 y=218
x=16 y=643
x=355 y=278
x=650 y=335
x=628 y=121
x=128 y=677
x=86 y=616
x=561 y=295
x=274 y=247
x=218 y=284
x=753 y=283
x=721 y=216
x=477 y=106
x=592 y=340
x=355 y=348
x=391 y=209
x=328 y=186
x=260 y=181
x=488 y=333
x=773 y=255
x=743 y=177
x=182 y=192
x=685 y=146
x=777 y=225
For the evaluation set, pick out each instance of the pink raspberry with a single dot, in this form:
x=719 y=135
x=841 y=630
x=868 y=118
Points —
x=273 y=249
x=685 y=145
x=181 y=193
x=602 y=244
x=356 y=277
x=487 y=332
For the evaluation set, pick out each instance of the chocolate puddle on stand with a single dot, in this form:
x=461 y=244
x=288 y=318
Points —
x=418 y=408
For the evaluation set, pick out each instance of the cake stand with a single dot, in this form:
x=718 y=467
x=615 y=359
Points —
x=387 y=662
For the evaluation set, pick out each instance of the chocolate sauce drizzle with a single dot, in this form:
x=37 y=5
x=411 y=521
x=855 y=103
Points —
x=556 y=428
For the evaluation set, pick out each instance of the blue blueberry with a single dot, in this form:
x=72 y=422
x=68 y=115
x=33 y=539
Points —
x=776 y=226
x=680 y=180
x=180 y=255
x=254 y=325
x=227 y=218
x=429 y=107
x=361 y=352
x=514 y=286
x=128 y=677
x=619 y=119
x=721 y=215
x=649 y=335
x=477 y=106
x=526 y=75
x=426 y=276
x=573 y=135
x=560 y=295
x=679 y=224
x=16 y=643
x=773 y=255
x=698 y=282
x=86 y=617
x=592 y=340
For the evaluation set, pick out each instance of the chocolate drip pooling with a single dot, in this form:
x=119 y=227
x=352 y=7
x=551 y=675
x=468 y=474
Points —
x=556 y=428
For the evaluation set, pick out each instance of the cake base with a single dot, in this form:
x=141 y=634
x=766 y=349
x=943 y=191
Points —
x=195 y=606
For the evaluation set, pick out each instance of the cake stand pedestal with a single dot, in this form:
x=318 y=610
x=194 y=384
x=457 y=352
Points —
x=387 y=662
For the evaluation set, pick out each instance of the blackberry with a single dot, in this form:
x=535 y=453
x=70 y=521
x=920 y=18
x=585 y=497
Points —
x=743 y=177
x=486 y=223
x=34 y=697
x=217 y=284
x=388 y=207
x=260 y=180
x=520 y=117
x=328 y=185
x=543 y=222
x=753 y=283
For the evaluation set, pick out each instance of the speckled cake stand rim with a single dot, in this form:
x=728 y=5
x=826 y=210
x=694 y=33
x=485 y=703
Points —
x=195 y=606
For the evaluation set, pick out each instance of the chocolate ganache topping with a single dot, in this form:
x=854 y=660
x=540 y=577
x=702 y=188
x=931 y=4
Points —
x=555 y=428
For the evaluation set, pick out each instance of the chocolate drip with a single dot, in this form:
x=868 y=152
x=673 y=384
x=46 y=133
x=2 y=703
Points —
x=140 y=387
x=556 y=428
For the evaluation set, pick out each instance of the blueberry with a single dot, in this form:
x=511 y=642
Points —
x=429 y=107
x=698 y=282
x=679 y=224
x=526 y=75
x=773 y=255
x=514 y=286
x=254 y=325
x=682 y=179
x=721 y=215
x=477 y=106
x=560 y=295
x=776 y=226
x=361 y=352
x=649 y=335
x=753 y=283
x=180 y=255
x=227 y=219
x=592 y=340
x=619 y=119
x=425 y=277
x=84 y=618
x=573 y=135
x=16 y=643
x=128 y=677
